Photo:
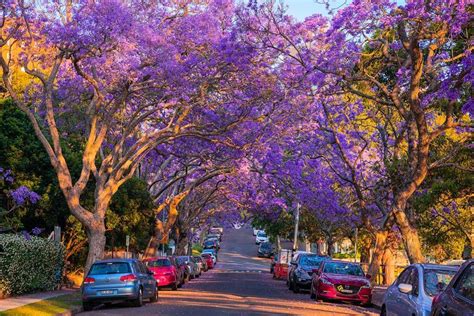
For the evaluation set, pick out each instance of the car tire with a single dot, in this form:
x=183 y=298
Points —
x=296 y=288
x=175 y=286
x=154 y=298
x=290 y=285
x=138 y=302
x=383 y=312
x=87 y=306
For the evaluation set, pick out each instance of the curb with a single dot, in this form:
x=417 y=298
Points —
x=72 y=311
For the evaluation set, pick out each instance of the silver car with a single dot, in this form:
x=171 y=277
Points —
x=413 y=291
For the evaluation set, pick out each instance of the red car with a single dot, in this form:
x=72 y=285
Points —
x=163 y=271
x=208 y=260
x=342 y=281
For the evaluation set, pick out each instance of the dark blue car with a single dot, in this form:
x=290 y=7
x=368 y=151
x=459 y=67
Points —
x=118 y=280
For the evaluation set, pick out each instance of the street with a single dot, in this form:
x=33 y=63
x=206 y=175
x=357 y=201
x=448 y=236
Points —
x=239 y=285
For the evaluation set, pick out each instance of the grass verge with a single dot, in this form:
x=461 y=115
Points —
x=51 y=306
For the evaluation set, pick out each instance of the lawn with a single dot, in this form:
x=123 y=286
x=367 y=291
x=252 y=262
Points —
x=52 y=306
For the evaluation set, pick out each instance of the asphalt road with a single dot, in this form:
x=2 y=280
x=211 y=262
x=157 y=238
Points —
x=239 y=285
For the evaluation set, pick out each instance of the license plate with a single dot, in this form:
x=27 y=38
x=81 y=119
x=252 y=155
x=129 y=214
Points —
x=106 y=292
x=346 y=291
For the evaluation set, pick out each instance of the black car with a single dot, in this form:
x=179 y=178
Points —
x=301 y=270
x=458 y=297
x=265 y=250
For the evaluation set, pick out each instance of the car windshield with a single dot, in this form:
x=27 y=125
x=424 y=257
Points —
x=110 y=268
x=312 y=261
x=435 y=281
x=159 y=263
x=343 y=268
x=209 y=242
x=265 y=246
x=261 y=234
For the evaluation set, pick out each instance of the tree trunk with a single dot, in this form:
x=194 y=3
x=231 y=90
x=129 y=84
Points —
x=96 y=237
x=330 y=244
x=410 y=237
x=380 y=244
x=388 y=261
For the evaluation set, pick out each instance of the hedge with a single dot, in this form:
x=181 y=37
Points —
x=29 y=265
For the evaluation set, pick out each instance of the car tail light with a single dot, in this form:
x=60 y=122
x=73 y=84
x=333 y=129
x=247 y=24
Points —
x=128 y=278
x=89 y=280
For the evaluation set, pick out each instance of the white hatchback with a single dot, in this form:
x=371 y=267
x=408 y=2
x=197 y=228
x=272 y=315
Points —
x=261 y=237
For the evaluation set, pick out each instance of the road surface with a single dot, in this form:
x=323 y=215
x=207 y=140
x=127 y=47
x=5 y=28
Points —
x=239 y=285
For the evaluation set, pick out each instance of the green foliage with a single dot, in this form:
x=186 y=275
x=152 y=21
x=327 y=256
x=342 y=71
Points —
x=130 y=213
x=29 y=265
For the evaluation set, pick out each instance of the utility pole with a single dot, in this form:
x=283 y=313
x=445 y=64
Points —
x=297 y=221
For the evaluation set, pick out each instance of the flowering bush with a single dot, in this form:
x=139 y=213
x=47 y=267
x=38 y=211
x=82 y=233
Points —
x=29 y=265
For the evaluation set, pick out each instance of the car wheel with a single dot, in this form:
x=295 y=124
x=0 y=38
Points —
x=87 y=306
x=175 y=286
x=296 y=288
x=290 y=285
x=154 y=298
x=383 y=312
x=138 y=302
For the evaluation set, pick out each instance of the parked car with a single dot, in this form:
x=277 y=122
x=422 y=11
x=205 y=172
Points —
x=265 y=250
x=458 y=297
x=182 y=261
x=201 y=262
x=210 y=244
x=301 y=270
x=216 y=236
x=217 y=229
x=255 y=231
x=261 y=237
x=181 y=268
x=164 y=271
x=413 y=291
x=193 y=270
x=198 y=266
x=118 y=280
x=212 y=252
x=343 y=281
x=208 y=260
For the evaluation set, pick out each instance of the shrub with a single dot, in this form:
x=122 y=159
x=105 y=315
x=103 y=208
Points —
x=29 y=264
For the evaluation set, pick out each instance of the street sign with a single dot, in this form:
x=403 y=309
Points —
x=127 y=240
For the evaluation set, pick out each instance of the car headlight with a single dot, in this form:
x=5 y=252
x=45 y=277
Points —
x=366 y=285
x=324 y=281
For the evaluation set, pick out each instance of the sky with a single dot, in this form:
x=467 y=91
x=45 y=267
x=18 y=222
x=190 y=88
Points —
x=301 y=9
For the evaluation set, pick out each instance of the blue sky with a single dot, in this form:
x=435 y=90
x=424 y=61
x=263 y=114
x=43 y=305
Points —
x=301 y=9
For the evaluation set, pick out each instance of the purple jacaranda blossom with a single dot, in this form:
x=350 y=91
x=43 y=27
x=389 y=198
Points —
x=23 y=195
x=37 y=230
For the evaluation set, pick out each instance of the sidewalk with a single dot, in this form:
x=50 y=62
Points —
x=19 y=301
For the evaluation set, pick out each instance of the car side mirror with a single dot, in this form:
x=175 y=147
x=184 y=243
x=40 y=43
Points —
x=368 y=276
x=405 y=288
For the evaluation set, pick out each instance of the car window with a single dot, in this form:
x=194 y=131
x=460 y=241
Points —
x=465 y=285
x=435 y=281
x=312 y=261
x=343 y=268
x=110 y=268
x=414 y=281
x=403 y=277
x=261 y=234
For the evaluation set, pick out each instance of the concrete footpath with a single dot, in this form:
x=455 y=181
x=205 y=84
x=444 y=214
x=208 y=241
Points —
x=19 y=301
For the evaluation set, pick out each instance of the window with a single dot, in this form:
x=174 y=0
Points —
x=414 y=281
x=403 y=277
x=343 y=268
x=435 y=281
x=110 y=268
x=465 y=285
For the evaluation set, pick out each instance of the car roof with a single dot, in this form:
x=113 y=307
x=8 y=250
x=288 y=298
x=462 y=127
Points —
x=117 y=260
x=341 y=261
x=439 y=266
